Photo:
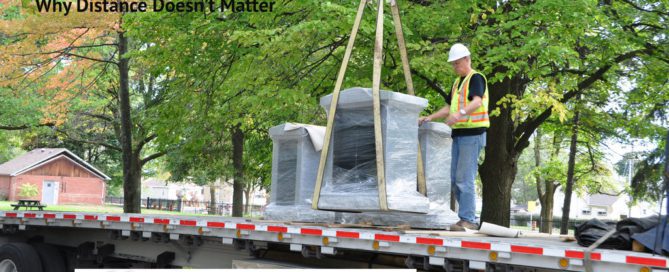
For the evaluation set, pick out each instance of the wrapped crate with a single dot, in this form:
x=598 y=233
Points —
x=294 y=167
x=350 y=175
x=435 y=143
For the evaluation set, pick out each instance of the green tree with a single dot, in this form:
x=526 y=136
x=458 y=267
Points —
x=250 y=87
x=525 y=187
x=75 y=67
x=537 y=55
x=9 y=143
x=548 y=175
x=591 y=175
x=645 y=110
x=647 y=183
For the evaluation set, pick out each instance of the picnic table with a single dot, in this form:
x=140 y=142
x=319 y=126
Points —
x=28 y=204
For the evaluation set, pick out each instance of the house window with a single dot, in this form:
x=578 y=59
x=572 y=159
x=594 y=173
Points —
x=601 y=213
x=585 y=212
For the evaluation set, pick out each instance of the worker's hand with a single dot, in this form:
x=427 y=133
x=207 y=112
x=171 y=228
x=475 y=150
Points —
x=453 y=118
x=424 y=119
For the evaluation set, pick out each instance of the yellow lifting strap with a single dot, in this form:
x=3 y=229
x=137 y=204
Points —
x=422 y=186
x=376 y=85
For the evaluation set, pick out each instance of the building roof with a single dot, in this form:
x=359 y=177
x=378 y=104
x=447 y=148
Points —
x=602 y=200
x=41 y=156
x=154 y=182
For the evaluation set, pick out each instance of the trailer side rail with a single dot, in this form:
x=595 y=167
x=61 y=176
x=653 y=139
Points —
x=437 y=249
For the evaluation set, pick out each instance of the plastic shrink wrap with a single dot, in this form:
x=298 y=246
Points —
x=294 y=168
x=435 y=143
x=350 y=178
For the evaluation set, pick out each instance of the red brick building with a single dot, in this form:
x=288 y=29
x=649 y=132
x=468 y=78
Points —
x=60 y=176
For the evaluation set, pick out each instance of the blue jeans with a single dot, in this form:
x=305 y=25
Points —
x=464 y=166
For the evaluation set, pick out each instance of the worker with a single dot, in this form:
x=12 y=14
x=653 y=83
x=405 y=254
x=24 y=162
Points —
x=466 y=112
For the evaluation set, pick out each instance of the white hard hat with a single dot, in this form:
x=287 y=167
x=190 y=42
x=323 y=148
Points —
x=457 y=52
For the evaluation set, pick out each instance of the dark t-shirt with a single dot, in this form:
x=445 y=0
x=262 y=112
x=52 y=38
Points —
x=477 y=86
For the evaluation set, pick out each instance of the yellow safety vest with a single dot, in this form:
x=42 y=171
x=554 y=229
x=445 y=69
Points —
x=476 y=119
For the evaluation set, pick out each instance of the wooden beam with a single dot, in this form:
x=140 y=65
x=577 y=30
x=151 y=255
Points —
x=422 y=184
x=402 y=46
x=376 y=99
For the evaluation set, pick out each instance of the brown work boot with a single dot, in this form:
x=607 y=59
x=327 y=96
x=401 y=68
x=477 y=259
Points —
x=467 y=225
x=455 y=227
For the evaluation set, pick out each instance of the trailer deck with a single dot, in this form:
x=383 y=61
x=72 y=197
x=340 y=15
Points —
x=423 y=251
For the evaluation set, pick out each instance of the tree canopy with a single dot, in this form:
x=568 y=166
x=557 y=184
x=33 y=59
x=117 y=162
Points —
x=205 y=87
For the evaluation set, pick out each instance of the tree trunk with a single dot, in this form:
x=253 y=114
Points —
x=247 y=195
x=212 y=199
x=499 y=168
x=238 y=164
x=547 y=198
x=131 y=165
x=133 y=193
x=545 y=216
x=537 y=157
x=497 y=192
x=547 y=203
x=564 y=225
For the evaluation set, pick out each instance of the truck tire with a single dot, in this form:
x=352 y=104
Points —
x=52 y=259
x=19 y=257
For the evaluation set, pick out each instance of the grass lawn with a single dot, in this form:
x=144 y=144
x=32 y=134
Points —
x=6 y=206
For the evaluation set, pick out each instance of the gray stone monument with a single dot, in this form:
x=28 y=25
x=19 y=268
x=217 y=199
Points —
x=435 y=142
x=350 y=178
x=294 y=168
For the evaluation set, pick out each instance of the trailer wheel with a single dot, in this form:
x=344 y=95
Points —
x=19 y=257
x=51 y=257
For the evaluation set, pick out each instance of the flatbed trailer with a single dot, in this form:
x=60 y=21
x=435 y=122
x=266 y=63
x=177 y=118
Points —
x=68 y=240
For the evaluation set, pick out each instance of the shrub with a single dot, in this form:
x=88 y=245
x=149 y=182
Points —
x=28 y=190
